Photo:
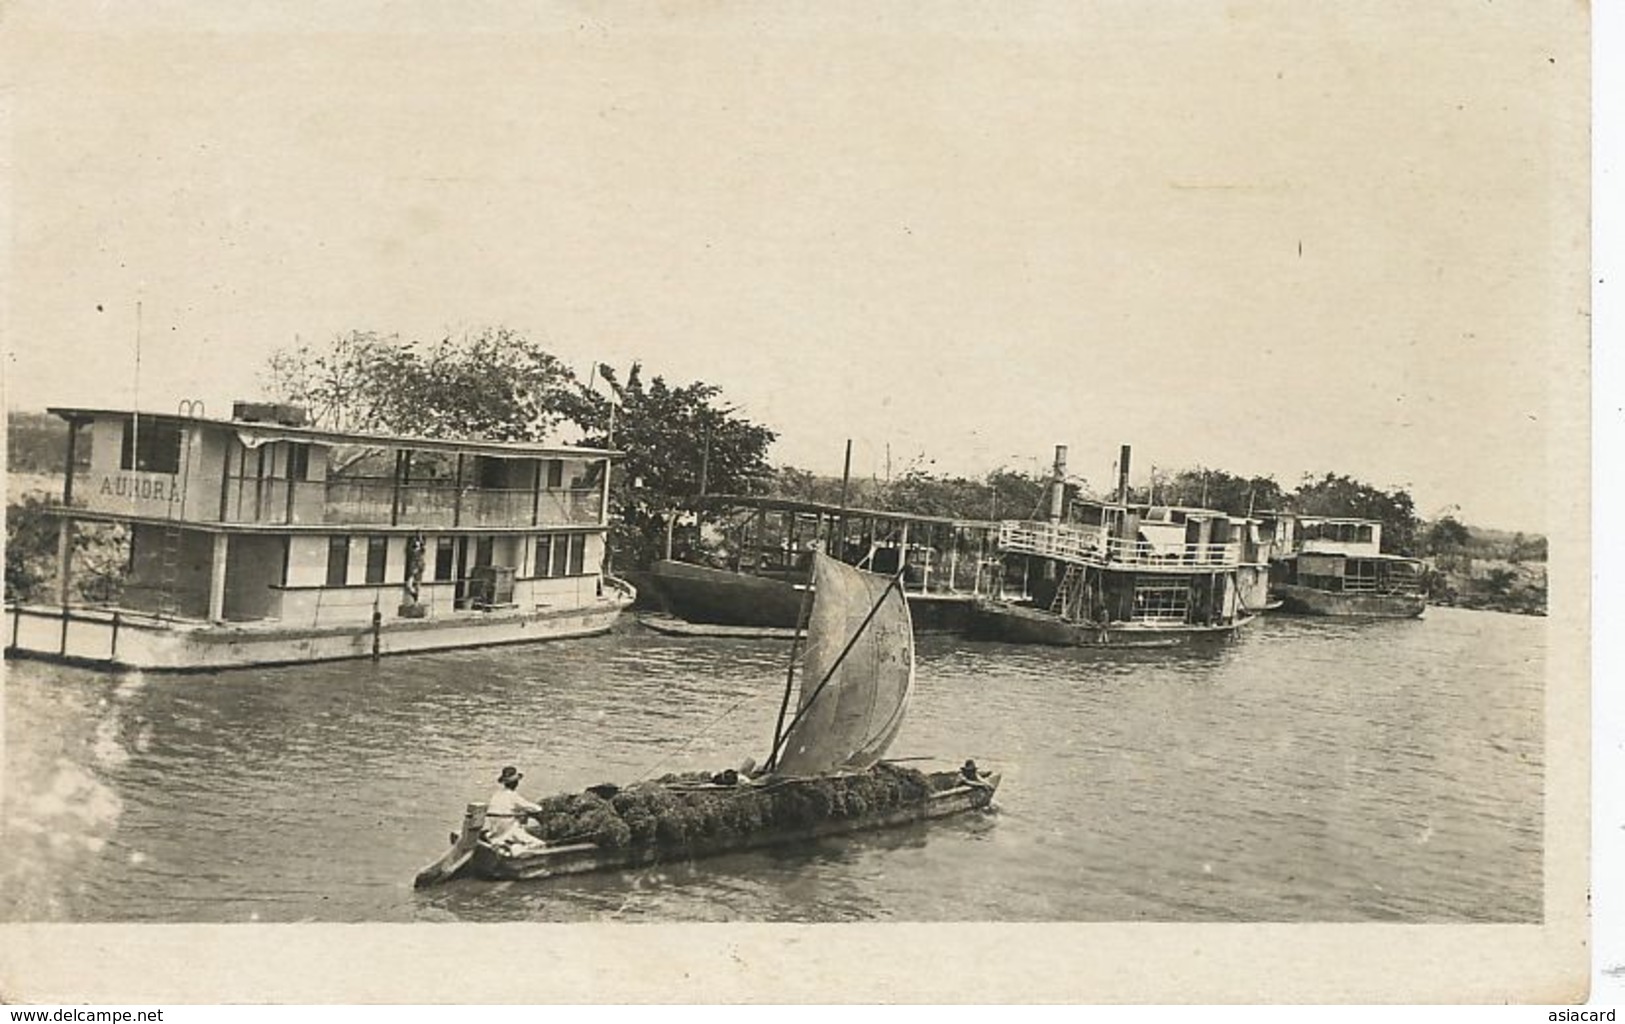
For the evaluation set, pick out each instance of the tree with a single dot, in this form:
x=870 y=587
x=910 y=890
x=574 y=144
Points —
x=1500 y=582
x=1447 y=535
x=31 y=539
x=1334 y=495
x=678 y=443
x=924 y=494
x=98 y=553
x=1527 y=549
x=37 y=442
x=803 y=485
x=1001 y=494
x=499 y=385
x=495 y=384
x=1013 y=494
x=1216 y=489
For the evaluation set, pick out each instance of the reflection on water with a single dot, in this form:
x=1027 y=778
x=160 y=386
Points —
x=1313 y=770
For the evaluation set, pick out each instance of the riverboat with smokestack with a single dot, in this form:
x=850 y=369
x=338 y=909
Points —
x=262 y=540
x=1120 y=573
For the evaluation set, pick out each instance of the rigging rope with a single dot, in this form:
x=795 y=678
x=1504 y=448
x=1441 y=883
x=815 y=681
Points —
x=895 y=582
x=730 y=709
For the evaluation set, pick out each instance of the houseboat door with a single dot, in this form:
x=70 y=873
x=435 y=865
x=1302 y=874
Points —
x=483 y=550
x=460 y=591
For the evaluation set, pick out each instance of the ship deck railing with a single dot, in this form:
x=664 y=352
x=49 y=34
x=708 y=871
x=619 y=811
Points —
x=1388 y=588
x=1093 y=546
x=372 y=501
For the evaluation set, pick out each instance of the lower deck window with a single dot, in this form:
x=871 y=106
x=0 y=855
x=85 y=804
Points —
x=1161 y=601
x=338 y=561
x=560 y=554
x=377 y=558
x=1360 y=576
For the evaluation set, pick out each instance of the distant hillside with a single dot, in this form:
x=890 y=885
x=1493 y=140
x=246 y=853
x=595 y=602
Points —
x=1496 y=570
x=1490 y=584
x=36 y=442
x=1506 y=545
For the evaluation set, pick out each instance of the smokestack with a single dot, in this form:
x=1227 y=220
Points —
x=1057 y=489
x=1122 y=476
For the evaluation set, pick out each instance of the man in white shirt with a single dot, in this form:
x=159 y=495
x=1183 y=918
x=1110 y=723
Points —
x=506 y=809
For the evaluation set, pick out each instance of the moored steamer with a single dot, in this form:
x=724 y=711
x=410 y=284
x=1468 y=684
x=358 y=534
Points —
x=1116 y=573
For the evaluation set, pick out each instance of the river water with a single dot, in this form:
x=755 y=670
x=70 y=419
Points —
x=1311 y=770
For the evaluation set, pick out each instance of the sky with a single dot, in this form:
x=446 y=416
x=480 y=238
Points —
x=1268 y=238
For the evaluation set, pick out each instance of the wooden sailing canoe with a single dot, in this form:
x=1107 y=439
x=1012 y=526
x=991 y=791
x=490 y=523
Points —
x=472 y=856
x=825 y=775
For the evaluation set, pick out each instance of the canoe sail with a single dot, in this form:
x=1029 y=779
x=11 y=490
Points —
x=850 y=708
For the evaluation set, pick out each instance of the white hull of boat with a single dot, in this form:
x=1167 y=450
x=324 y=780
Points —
x=114 y=640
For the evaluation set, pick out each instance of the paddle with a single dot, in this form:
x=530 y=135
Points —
x=448 y=866
x=463 y=846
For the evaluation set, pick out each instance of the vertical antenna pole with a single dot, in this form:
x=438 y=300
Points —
x=135 y=418
x=705 y=458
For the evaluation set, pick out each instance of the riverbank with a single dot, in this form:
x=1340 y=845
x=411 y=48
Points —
x=1490 y=584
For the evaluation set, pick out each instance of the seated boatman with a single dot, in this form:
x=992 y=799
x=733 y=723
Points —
x=970 y=775
x=506 y=809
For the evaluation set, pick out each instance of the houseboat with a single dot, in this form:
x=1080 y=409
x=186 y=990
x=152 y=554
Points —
x=745 y=561
x=261 y=540
x=1117 y=573
x=1336 y=566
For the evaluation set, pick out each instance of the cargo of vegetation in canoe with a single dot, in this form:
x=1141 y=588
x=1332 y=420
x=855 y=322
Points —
x=678 y=809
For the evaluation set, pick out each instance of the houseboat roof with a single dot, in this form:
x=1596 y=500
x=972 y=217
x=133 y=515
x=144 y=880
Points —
x=1313 y=517
x=255 y=432
x=1189 y=511
x=771 y=504
x=1197 y=512
x=1368 y=556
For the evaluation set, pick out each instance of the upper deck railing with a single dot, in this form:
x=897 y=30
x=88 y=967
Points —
x=1094 y=546
x=376 y=502
x=365 y=501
